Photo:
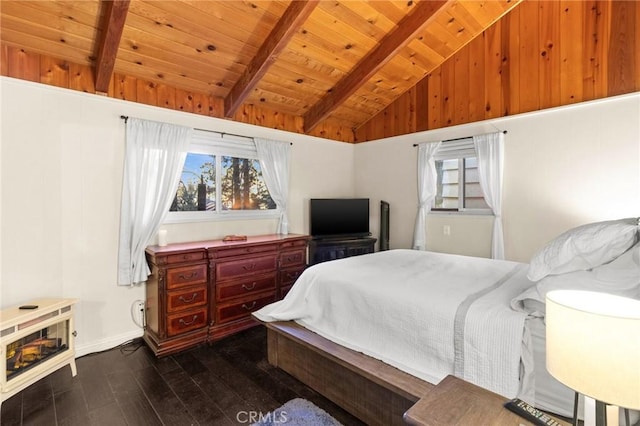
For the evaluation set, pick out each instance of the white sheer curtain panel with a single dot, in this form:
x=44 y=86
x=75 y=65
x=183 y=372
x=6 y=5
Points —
x=490 y=152
x=427 y=186
x=275 y=157
x=154 y=158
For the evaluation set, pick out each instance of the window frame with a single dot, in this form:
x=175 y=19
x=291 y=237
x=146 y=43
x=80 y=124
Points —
x=458 y=150
x=220 y=145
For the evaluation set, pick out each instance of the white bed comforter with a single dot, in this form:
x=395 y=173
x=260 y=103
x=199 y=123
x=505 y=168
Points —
x=429 y=314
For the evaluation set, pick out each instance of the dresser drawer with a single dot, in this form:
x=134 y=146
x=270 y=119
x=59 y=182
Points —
x=239 y=251
x=186 y=321
x=244 y=287
x=187 y=275
x=232 y=311
x=302 y=243
x=245 y=267
x=293 y=258
x=186 y=257
x=290 y=275
x=185 y=299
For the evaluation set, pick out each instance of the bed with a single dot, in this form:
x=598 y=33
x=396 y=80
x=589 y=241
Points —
x=375 y=332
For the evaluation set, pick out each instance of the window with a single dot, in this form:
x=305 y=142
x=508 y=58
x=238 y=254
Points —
x=221 y=178
x=197 y=186
x=458 y=183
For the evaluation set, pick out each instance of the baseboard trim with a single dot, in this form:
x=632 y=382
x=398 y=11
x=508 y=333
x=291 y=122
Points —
x=108 y=343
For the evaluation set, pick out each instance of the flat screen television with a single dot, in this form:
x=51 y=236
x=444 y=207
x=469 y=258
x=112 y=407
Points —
x=339 y=217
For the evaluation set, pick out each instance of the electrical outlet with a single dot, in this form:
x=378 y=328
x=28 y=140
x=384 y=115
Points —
x=446 y=230
x=138 y=309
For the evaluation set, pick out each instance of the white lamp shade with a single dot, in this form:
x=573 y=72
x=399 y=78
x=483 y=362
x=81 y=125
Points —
x=593 y=345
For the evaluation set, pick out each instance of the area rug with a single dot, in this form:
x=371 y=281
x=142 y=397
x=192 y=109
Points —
x=297 y=412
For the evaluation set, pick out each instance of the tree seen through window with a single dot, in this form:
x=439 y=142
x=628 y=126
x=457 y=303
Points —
x=242 y=186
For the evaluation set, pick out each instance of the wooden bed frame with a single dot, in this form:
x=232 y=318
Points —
x=371 y=390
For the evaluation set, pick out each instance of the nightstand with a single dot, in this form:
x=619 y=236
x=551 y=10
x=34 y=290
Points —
x=456 y=402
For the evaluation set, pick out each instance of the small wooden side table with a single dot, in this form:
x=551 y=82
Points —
x=456 y=402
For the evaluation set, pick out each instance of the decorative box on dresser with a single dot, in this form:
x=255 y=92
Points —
x=203 y=291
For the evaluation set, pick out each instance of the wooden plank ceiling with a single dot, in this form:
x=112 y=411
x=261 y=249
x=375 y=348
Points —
x=343 y=60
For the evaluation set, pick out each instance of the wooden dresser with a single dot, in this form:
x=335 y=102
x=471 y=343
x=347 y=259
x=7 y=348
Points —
x=203 y=291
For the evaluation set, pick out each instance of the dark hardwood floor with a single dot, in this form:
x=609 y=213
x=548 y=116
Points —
x=218 y=384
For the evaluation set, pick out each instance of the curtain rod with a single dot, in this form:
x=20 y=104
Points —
x=457 y=139
x=126 y=117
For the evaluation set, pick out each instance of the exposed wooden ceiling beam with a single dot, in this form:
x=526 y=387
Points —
x=408 y=28
x=115 y=14
x=292 y=19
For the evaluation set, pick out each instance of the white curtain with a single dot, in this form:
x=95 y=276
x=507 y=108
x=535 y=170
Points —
x=427 y=183
x=154 y=158
x=490 y=152
x=274 y=159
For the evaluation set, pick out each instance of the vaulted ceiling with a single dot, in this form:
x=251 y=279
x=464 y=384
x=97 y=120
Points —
x=342 y=60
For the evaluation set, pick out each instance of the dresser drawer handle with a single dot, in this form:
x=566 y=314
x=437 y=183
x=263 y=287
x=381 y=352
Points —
x=293 y=275
x=185 y=323
x=292 y=258
x=248 y=308
x=249 y=288
x=186 y=257
x=193 y=297
x=191 y=275
x=249 y=267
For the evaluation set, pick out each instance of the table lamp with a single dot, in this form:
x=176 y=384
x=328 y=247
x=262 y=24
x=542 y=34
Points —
x=593 y=347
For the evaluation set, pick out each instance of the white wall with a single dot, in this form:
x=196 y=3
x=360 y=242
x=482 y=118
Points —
x=61 y=168
x=563 y=167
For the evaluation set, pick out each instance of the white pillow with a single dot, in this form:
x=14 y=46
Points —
x=584 y=247
x=620 y=277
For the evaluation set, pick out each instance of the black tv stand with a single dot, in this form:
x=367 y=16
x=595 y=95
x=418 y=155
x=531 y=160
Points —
x=324 y=249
